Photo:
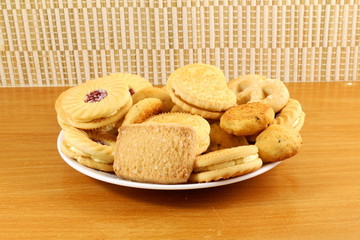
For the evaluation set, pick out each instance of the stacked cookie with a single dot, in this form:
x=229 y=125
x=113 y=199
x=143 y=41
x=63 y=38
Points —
x=197 y=128
x=88 y=114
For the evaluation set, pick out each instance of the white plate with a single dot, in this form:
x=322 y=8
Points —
x=112 y=178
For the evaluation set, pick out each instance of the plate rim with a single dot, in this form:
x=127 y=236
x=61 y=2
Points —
x=113 y=179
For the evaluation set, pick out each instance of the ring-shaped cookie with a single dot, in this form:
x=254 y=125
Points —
x=97 y=146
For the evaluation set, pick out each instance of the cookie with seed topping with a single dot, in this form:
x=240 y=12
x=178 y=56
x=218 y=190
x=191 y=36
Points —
x=278 y=142
x=247 y=119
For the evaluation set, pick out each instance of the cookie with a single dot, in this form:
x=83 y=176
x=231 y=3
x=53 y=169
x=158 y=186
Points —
x=219 y=139
x=101 y=122
x=225 y=163
x=201 y=126
x=247 y=119
x=86 y=161
x=257 y=88
x=92 y=149
x=95 y=145
x=95 y=99
x=154 y=92
x=142 y=110
x=134 y=82
x=278 y=142
x=155 y=153
x=176 y=108
x=186 y=107
x=202 y=86
x=291 y=115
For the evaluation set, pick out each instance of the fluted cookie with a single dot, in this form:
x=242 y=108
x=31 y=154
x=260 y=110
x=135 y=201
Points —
x=92 y=149
x=142 y=110
x=291 y=115
x=134 y=82
x=94 y=104
x=201 y=126
x=225 y=163
x=247 y=119
x=155 y=153
x=278 y=142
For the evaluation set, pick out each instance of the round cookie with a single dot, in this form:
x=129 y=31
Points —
x=219 y=139
x=278 y=142
x=153 y=92
x=247 y=119
x=243 y=82
x=134 y=82
x=142 y=110
x=95 y=99
x=201 y=126
x=202 y=86
x=89 y=148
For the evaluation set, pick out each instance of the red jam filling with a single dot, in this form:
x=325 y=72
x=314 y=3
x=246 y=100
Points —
x=132 y=92
x=98 y=141
x=95 y=96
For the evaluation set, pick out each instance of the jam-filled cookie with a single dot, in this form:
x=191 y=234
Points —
x=94 y=104
x=92 y=149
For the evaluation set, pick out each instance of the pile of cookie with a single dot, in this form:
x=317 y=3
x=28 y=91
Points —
x=197 y=128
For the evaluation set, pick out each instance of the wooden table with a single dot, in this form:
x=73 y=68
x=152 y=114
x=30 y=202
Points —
x=314 y=195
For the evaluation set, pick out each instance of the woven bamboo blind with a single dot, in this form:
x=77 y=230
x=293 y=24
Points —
x=66 y=42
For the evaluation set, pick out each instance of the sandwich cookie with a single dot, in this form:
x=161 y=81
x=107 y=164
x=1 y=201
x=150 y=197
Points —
x=225 y=163
x=155 y=153
x=91 y=149
x=94 y=104
x=200 y=89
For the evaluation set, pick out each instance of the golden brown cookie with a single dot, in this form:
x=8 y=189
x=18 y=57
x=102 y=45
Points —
x=257 y=88
x=155 y=153
x=92 y=149
x=95 y=99
x=219 y=139
x=278 y=142
x=134 y=82
x=200 y=88
x=142 y=110
x=291 y=115
x=154 y=92
x=247 y=119
x=225 y=163
x=201 y=126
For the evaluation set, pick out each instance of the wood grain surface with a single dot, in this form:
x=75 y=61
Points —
x=314 y=195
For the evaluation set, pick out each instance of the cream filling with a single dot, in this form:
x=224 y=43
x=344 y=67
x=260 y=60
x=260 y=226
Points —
x=295 y=123
x=227 y=163
x=81 y=153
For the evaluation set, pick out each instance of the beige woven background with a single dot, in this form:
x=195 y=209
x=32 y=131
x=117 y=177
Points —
x=66 y=42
